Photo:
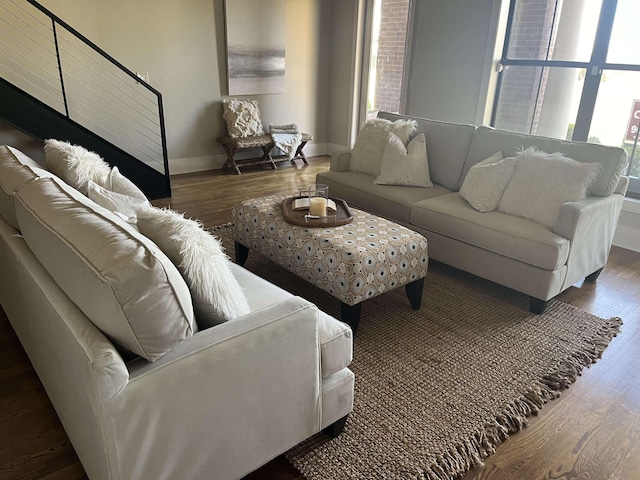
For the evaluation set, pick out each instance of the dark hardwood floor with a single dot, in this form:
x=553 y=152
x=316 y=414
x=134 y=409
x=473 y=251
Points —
x=591 y=432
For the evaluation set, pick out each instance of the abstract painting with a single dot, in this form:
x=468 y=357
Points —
x=255 y=46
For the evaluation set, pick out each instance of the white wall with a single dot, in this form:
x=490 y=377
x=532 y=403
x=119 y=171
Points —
x=182 y=47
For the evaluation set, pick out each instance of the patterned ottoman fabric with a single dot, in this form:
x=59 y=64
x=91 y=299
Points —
x=352 y=262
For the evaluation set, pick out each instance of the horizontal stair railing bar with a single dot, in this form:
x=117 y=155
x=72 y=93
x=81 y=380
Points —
x=58 y=66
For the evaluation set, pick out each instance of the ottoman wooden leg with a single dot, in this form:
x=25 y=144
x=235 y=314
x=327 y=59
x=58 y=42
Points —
x=414 y=292
x=242 y=253
x=350 y=315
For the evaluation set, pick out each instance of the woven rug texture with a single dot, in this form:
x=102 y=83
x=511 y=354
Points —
x=437 y=390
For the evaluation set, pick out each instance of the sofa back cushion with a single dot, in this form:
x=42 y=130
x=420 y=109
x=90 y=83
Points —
x=486 y=141
x=119 y=279
x=16 y=169
x=447 y=146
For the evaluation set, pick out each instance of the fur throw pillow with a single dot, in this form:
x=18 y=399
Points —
x=543 y=182
x=486 y=182
x=75 y=164
x=367 y=154
x=217 y=296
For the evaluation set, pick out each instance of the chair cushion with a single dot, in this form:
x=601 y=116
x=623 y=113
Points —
x=119 y=279
x=16 y=169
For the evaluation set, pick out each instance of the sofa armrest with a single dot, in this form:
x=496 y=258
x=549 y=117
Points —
x=589 y=225
x=234 y=396
x=340 y=161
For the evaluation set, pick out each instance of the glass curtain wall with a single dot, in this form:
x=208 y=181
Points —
x=571 y=70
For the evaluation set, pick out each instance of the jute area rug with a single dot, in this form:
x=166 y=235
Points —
x=437 y=390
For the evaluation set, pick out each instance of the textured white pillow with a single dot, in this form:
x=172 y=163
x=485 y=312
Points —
x=406 y=166
x=486 y=181
x=367 y=153
x=125 y=205
x=118 y=183
x=119 y=278
x=242 y=117
x=217 y=296
x=75 y=164
x=543 y=182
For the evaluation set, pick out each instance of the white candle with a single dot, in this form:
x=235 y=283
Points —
x=318 y=206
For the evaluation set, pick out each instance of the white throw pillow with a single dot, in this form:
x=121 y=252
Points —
x=125 y=205
x=75 y=164
x=367 y=153
x=242 y=117
x=119 y=278
x=543 y=182
x=217 y=296
x=118 y=183
x=486 y=182
x=408 y=166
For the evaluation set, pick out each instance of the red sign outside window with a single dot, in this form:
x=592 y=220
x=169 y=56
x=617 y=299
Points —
x=634 y=122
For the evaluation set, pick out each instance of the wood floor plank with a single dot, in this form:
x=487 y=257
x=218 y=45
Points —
x=591 y=432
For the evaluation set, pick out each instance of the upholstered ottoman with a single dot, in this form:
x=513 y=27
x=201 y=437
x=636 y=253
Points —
x=352 y=262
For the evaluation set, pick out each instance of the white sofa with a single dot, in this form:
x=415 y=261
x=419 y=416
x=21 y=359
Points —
x=515 y=252
x=219 y=404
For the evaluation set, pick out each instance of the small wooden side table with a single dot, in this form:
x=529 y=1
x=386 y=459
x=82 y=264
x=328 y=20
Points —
x=233 y=144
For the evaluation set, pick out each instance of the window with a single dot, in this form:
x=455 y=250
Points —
x=571 y=69
x=385 y=51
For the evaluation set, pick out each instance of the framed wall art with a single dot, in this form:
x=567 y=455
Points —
x=255 y=46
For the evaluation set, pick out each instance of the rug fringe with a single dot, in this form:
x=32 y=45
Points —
x=464 y=456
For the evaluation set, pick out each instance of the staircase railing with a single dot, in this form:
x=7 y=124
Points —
x=57 y=65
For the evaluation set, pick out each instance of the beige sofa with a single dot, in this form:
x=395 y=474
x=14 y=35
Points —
x=218 y=404
x=515 y=252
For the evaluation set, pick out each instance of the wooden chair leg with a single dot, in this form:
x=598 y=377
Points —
x=230 y=159
x=350 y=314
x=300 y=153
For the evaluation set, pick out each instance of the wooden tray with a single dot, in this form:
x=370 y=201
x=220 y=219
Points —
x=297 y=217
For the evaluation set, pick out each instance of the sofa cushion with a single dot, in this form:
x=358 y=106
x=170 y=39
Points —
x=390 y=201
x=613 y=159
x=486 y=182
x=447 y=147
x=16 y=169
x=513 y=237
x=367 y=154
x=402 y=165
x=543 y=182
x=75 y=164
x=335 y=337
x=119 y=279
x=199 y=256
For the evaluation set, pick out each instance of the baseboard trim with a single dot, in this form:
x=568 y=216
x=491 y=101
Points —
x=178 y=166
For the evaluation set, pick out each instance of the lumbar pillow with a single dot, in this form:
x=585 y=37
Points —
x=367 y=154
x=75 y=164
x=125 y=205
x=486 y=181
x=405 y=166
x=242 y=117
x=543 y=182
x=217 y=296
